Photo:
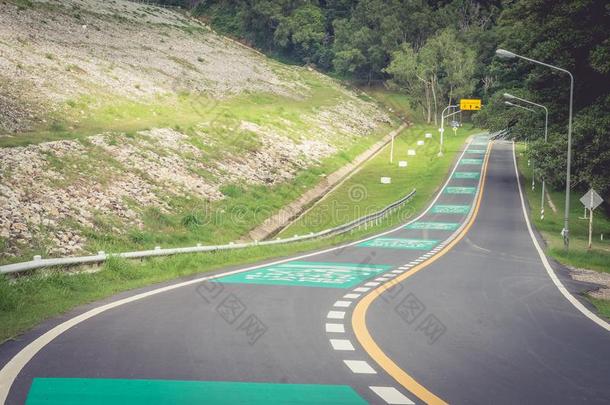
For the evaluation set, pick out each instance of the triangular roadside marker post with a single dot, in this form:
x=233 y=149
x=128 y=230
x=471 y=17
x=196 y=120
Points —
x=591 y=200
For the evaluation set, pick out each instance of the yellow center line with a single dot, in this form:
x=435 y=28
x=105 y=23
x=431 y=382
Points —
x=359 y=316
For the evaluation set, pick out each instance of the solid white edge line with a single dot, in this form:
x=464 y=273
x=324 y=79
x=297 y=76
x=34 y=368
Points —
x=577 y=304
x=392 y=396
x=13 y=367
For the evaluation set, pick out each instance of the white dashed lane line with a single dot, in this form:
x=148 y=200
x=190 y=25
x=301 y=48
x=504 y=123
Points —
x=342 y=344
x=352 y=296
x=391 y=395
x=336 y=315
x=343 y=304
x=361 y=289
x=359 y=367
x=335 y=328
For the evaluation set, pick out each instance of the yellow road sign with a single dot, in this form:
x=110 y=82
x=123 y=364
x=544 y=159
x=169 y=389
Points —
x=467 y=104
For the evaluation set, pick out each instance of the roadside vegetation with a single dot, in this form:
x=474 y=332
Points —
x=95 y=113
x=552 y=224
x=578 y=256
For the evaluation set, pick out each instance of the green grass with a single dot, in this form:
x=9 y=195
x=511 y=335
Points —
x=396 y=100
x=578 y=256
x=598 y=258
x=603 y=306
x=94 y=114
x=363 y=193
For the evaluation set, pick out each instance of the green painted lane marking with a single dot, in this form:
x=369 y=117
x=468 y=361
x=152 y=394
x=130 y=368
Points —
x=460 y=190
x=89 y=391
x=471 y=161
x=400 y=243
x=439 y=226
x=466 y=175
x=451 y=209
x=309 y=274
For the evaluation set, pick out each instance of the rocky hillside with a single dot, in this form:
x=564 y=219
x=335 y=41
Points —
x=124 y=125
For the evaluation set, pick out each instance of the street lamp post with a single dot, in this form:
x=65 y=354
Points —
x=546 y=128
x=503 y=53
x=526 y=139
x=519 y=106
x=442 y=128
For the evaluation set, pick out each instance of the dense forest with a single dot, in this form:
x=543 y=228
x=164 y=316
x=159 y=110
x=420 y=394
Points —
x=439 y=51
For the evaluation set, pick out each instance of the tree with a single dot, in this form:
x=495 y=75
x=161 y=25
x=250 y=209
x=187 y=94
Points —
x=442 y=70
x=302 y=32
x=572 y=34
x=407 y=75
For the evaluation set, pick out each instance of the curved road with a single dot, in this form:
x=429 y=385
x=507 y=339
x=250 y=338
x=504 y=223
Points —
x=457 y=306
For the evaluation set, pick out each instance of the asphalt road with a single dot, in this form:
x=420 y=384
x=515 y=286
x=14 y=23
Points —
x=468 y=314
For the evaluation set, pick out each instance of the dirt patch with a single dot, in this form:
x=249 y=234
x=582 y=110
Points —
x=595 y=277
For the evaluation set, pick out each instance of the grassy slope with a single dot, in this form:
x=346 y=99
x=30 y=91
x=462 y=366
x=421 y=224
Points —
x=191 y=220
x=99 y=112
x=397 y=101
x=578 y=256
x=30 y=300
x=599 y=257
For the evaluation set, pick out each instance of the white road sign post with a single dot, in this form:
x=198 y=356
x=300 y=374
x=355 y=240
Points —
x=591 y=200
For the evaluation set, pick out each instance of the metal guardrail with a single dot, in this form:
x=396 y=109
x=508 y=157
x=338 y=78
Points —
x=39 y=262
